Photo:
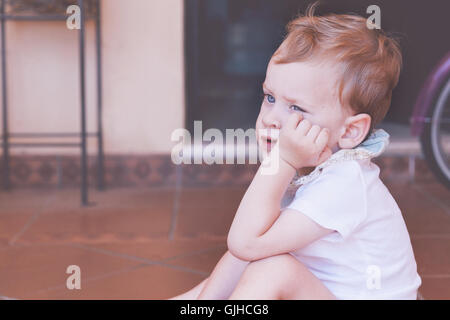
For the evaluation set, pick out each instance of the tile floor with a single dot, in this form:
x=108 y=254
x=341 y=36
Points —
x=137 y=243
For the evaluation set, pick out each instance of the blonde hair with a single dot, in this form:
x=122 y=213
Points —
x=370 y=60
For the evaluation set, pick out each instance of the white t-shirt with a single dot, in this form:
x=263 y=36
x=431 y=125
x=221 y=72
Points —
x=369 y=256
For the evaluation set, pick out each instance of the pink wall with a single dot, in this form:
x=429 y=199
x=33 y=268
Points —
x=143 y=77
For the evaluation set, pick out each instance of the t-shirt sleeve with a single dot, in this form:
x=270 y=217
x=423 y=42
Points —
x=335 y=200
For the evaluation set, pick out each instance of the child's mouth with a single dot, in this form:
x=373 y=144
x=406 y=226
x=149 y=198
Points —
x=269 y=138
x=268 y=142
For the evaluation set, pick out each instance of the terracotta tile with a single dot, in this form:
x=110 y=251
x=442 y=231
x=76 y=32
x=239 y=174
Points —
x=218 y=196
x=162 y=249
x=128 y=228
x=207 y=211
x=423 y=174
x=114 y=224
x=432 y=255
x=117 y=215
x=426 y=221
x=438 y=192
x=26 y=270
x=12 y=222
x=19 y=208
x=422 y=216
x=125 y=197
x=146 y=282
x=436 y=288
x=15 y=198
x=194 y=222
x=205 y=261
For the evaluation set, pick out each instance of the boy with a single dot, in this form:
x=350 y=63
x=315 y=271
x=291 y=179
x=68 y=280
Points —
x=341 y=236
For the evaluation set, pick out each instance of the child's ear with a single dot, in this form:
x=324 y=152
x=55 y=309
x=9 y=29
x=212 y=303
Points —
x=356 y=129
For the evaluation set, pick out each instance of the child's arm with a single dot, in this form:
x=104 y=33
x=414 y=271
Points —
x=259 y=229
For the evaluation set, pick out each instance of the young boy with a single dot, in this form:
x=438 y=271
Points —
x=342 y=235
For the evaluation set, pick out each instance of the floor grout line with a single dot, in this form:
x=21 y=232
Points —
x=82 y=246
x=176 y=201
x=144 y=260
x=30 y=221
x=432 y=198
x=194 y=253
x=435 y=276
x=430 y=236
x=145 y=263
x=94 y=278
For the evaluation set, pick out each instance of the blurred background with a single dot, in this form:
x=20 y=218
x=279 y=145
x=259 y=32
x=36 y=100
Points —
x=87 y=116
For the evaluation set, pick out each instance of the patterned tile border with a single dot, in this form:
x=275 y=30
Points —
x=159 y=171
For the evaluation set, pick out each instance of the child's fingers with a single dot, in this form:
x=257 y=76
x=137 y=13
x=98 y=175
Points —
x=313 y=132
x=322 y=138
x=293 y=121
x=303 y=128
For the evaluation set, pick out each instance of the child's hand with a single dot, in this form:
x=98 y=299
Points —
x=303 y=144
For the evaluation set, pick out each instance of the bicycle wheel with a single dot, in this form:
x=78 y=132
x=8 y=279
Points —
x=435 y=138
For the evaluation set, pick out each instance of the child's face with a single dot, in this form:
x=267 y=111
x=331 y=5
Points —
x=306 y=88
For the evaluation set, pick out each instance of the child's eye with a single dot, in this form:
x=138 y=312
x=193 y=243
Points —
x=296 y=108
x=270 y=98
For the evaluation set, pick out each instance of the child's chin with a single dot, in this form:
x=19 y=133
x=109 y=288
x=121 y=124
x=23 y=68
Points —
x=263 y=151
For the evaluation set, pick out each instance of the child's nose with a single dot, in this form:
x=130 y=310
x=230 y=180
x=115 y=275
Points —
x=272 y=119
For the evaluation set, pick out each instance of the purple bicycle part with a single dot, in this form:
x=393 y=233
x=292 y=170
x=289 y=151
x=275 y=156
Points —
x=427 y=93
